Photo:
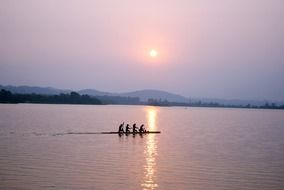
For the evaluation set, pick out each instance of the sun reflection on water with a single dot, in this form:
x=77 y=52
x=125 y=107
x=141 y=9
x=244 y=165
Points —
x=151 y=116
x=150 y=152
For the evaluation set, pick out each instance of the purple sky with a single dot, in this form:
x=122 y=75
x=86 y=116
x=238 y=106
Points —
x=217 y=49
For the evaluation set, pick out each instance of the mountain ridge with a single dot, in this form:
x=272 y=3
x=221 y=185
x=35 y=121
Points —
x=143 y=95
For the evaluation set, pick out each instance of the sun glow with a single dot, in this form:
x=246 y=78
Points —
x=153 y=53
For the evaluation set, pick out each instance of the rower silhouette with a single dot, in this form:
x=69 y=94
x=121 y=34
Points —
x=134 y=128
x=120 y=128
x=142 y=129
x=127 y=128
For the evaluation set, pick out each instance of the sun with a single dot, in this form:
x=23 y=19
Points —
x=153 y=53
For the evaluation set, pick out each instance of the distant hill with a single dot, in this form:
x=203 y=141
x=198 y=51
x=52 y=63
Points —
x=144 y=95
x=93 y=92
x=34 y=89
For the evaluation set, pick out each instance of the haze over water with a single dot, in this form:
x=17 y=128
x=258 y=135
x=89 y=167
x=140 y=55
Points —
x=228 y=49
x=199 y=148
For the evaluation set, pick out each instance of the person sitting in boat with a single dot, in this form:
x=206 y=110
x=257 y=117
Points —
x=120 y=128
x=134 y=128
x=142 y=129
x=127 y=128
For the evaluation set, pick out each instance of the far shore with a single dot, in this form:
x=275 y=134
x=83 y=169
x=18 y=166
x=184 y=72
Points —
x=6 y=97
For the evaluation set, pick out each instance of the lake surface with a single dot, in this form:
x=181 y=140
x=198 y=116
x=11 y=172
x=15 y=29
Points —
x=198 y=148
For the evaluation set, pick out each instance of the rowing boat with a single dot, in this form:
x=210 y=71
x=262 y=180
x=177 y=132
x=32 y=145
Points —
x=147 y=132
x=91 y=133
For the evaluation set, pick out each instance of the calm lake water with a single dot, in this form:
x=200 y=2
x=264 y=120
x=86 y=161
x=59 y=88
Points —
x=199 y=148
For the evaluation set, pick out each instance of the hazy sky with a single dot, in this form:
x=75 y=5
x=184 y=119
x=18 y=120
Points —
x=206 y=48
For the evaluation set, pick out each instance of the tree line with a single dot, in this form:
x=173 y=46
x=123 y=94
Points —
x=72 y=98
x=75 y=98
x=160 y=102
